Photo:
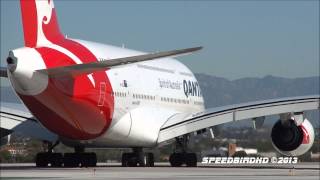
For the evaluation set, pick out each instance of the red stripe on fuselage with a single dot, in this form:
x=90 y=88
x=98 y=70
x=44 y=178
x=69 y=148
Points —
x=69 y=105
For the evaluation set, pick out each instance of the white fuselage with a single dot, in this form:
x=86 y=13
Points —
x=145 y=94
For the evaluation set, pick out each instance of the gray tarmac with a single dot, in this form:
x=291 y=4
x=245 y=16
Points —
x=300 y=171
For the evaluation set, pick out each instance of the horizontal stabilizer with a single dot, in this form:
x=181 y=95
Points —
x=103 y=65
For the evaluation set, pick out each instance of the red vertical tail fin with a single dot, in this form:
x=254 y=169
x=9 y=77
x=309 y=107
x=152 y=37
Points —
x=40 y=24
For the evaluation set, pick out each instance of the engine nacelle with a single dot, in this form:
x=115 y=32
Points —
x=292 y=140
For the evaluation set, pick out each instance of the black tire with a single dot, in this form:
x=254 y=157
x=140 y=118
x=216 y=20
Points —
x=84 y=159
x=191 y=159
x=88 y=159
x=124 y=159
x=176 y=159
x=149 y=160
x=42 y=160
x=71 y=160
x=92 y=159
x=129 y=160
x=55 y=159
x=132 y=160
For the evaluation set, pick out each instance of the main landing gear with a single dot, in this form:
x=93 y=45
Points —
x=77 y=159
x=80 y=158
x=181 y=156
x=43 y=159
x=137 y=158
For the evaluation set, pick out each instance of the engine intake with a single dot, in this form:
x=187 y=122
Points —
x=287 y=137
x=290 y=139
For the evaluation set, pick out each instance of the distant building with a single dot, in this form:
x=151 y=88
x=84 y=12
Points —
x=14 y=151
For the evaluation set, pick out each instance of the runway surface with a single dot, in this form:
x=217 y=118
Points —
x=304 y=171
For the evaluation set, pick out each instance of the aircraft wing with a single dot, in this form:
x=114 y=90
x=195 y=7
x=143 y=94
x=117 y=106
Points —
x=184 y=123
x=16 y=118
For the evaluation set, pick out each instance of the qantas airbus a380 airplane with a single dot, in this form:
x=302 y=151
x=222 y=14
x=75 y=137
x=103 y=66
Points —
x=90 y=95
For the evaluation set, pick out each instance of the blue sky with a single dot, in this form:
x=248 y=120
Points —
x=240 y=38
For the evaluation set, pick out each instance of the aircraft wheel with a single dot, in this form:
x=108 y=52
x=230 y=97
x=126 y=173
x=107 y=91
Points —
x=125 y=159
x=191 y=159
x=88 y=159
x=71 y=160
x=176 y=159
x=132 y=160
x=129 y=160
x=92 y=159
x=149 y=160
x=55 y=159
x=42 y=159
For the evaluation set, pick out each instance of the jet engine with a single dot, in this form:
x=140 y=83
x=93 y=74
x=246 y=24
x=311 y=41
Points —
x=290 y=139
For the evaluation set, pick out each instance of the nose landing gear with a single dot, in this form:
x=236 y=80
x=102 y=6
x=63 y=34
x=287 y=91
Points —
x=76 y=159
